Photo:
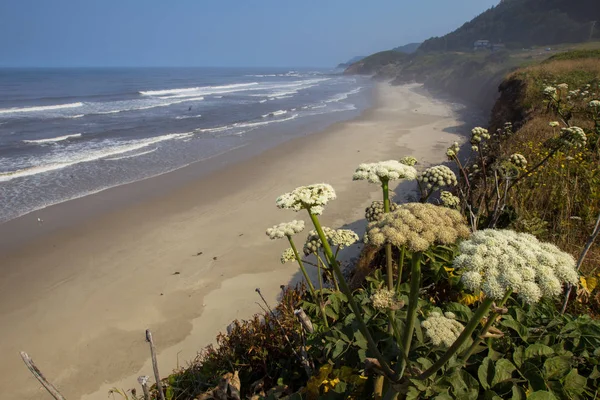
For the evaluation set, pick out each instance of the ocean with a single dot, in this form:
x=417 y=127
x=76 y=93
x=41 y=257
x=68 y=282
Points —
x=67 y=133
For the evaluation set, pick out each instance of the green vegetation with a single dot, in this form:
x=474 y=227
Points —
x=458 y=296
x=525 y=23
x=377 y=61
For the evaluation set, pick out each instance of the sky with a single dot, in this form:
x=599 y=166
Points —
x=240 y=33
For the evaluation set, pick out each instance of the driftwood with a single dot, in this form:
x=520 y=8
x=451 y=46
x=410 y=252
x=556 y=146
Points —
x=143 y=381
x=40 y=377
x=159 y=387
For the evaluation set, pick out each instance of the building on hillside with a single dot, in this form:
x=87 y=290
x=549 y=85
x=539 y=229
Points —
x=498 y=46
x=481 y=45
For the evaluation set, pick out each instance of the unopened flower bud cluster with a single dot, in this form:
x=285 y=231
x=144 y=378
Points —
x=340 y=238
x=409 y=160
x=449 y=200
x=452 y=150
x=437 y=177
x=518 y=160
x=376 y=210
x=288 y=255
x=573 y=137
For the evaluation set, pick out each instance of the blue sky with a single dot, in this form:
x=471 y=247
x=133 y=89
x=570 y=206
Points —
x=217 y=32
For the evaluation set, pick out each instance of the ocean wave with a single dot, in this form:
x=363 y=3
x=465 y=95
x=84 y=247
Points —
x=275 y=113
x=188 y=116
x=39 y=108
x=68 y=158
x=147 y=107
x=54 y=139
x=343 y=96
x=133 y=155
x=263 y=101
x=244 y=125
x=185 y=92
x=75 y=116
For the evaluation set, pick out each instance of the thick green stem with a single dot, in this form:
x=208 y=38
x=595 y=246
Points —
x=301 y=264
x=320 y=299
x=400 y=267
x=390 y=267
x=486 y=328
x=348 y=292
x=386 y=196
x=481 y=312
x=411 y=312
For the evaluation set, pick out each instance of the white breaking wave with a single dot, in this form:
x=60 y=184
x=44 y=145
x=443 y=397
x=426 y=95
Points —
x=76 y=116
x=132 y=155
x=39 y=108
x=185 y=92
x=275 y=113
x=150 y=106
x=188 y=116
x=343 y=96
x=53 y=140
x=245 y=125
x=68 y=158
x=263 y=101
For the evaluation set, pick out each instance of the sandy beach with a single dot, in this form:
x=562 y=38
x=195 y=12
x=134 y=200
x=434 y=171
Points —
x=182 y=253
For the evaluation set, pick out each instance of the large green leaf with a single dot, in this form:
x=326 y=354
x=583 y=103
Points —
x=517 y=327
x=518 y=393
x=541 y=395
x=557 y=367
x=574 y=384
x=538 y=350
x=464 y=385
x=519 y=356
x=462 y=312
x=486 y=373
x=504 y=371
x=532 y=374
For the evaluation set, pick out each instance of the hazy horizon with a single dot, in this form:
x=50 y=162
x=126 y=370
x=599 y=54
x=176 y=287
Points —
x=68 y=33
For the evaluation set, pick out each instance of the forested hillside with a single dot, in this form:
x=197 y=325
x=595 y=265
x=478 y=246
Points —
x=525 y=23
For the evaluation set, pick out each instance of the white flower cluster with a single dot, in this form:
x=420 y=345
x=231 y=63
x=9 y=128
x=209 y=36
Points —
x=288 y=255
x=518 y=160
x=495 y=261
x=449 y=200
x=554 y=124
x=479 y=133
x=550 y=91
x=375 y=210
x=595 y=104
x=384 y=171
x=442 y=329
x=562 y=86
x=452 y=150
x=409 y=160
x=311 y=197
x=383 y=299
x=437 y=177
x=336 y=237
x=573 y=137
x=285 y=229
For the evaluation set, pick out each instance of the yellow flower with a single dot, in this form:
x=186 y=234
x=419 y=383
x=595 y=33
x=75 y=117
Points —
x=590 y=283
x=468 y=299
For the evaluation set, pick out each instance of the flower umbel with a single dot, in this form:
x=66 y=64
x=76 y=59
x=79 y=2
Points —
x=311 y=198
x=417 y=225
x=442 y=329
x=449 y=200
x=453 y=150
x=573 y=137
x=288 y=255
x=518 y=160
x=409 y=160
x=340 y=238
x=496 y=261
x=384 y=171
x=285 y=229
x=383 y=299
x=437 y=177
x=376 y=210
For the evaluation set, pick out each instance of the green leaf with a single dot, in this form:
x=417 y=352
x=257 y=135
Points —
x=443 y=396
x=517 y=327
x=541 y=395
x=595 y=373
x=504 y=371
x=360 y=340
x=557 y=367
x=464 y=385
x=412 y=394
x=518 y=393
x=519 y=356
x=574 y=383
x=532 y=374
x=538 y=350
x=338 y=349
x=486 y=373
x=462 y=312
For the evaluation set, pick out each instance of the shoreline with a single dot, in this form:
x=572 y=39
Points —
x=90 y=287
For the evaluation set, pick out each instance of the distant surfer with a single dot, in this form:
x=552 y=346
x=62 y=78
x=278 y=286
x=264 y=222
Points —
x=190 y=109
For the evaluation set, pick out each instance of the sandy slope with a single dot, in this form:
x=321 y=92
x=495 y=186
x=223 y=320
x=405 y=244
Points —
x=79 y=296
